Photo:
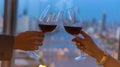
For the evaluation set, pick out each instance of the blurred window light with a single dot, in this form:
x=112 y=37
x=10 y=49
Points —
x=42 y=65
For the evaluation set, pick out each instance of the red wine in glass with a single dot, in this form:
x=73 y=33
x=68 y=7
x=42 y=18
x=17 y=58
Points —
x=47 y=28
x=73 y=30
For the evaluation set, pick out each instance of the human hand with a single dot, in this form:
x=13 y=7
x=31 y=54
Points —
x=87 y=45
x=29 y=40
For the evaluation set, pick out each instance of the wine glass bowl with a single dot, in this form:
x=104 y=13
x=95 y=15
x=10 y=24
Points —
x=48 y=22
x=72 y=25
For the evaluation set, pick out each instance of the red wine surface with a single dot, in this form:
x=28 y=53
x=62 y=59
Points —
x=73 y=30
x=47 y=28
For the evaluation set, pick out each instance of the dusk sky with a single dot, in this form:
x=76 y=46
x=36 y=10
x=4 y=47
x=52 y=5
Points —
x=89 y=9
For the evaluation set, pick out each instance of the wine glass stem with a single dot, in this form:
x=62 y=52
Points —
x=82 y=53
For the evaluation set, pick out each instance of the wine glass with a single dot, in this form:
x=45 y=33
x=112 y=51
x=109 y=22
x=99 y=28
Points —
x=47 y=23
x=72 y=24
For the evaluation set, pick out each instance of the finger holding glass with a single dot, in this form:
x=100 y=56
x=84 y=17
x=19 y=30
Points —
x=88 y=45
x=29 y=40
